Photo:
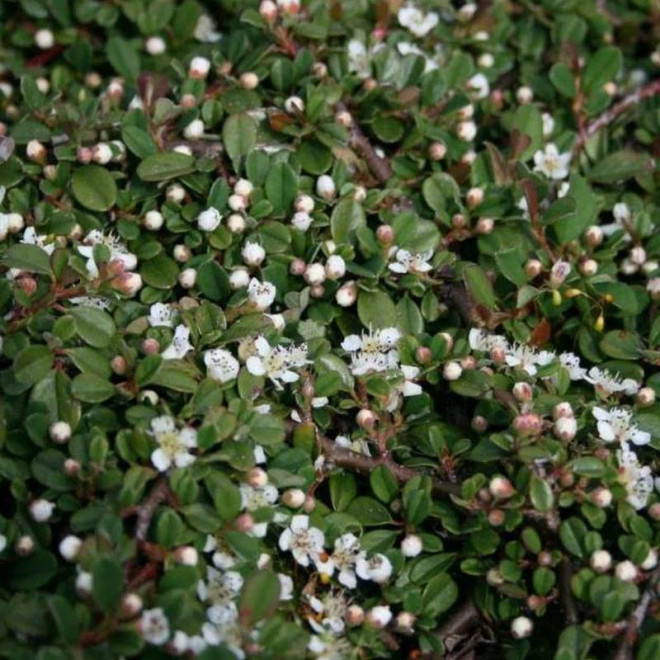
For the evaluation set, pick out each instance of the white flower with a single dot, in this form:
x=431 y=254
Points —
x=154 y=626
x=408 y=262
x=359 y=59
x=622 y=221
x=548 y=124
x=209 y=220
x=70 y=546
x=638 y=479
x=607 y=383
x=521 y=627
x=416 y=21
x=551 y=163
x=180 y=345
x=253 y=254
x=328 y=646
x=559 y=272
x=615 y=425
x=118 y=251
x=286 y=586
x=30 y=237
x=330 y=611
x=335 y=267
x=276 y=362
x=221 y=365
x=173 y=444
x=258 y=498
x=527 y=359
x=205 y=30
x=161 y=314
x=301 y=221
x=261 y=294
x=325 y=187
x=41 y=510
x=409 y=387
x=378 y=568
x=379 y=616
x=406 y=48
x=479 y=85
x=483 y=341
x=3 y=542
x=571 y=363
x=89 y=301
x=346 y=553
x=304 y=542
x=219 y=591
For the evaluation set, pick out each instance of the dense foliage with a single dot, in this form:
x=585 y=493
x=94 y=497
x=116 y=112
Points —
x=329 y=329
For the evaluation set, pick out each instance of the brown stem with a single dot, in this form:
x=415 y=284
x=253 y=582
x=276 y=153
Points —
x=466 y=617
x=565 y=575
x=636 y=619
x=379 y=167
x=366 y=464
x=633 y=99
x=145 y=510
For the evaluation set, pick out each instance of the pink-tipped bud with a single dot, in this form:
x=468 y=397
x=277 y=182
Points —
x=118 y=365
x=533 y=268
x=528 y=424
x=437 y=151
x=523 y=392
x=385 y=235
x=366 y=419
x=423 y=355
x=150 y=346
x=501 y=488
x=601 y=497
x=354 y=615
x=245 y=523
x=474 y=197
x=257 y=478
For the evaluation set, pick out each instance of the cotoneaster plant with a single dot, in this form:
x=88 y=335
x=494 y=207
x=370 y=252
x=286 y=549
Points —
x=329 y=329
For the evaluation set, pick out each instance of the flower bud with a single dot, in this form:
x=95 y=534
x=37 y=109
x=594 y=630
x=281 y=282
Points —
x=523 y=391
x=101 y=153
x=452 y=371
x=199 y=67
x=601 y=497
x=360 y=194
x=150 y=346
x=411 y=545
x=423 y=355
x=385 y=235
x=533 y=268
x=309 y=504
x=131 y=605
x=194 y=130
x=544 y=558
x=294 y=105
x=528 y=424
x=347 y=294
x=70 y=547
x=335 y=267
x=245 y=523
x=188 y=278
x=118 y=365
x=589 y=267
x=485 y=226
x=25 y=546
x=405 y=622
x=186 y=555
x=325 y=187
x=343 y=118
x=315 y=274
x=36 y=151
x=626 y=571
x=155 y=46
x=645 y=397
x=458 y=221
x=253 y=254
x=565 y=428
x=479 y=423
x=474 y=197
x=153 y=220
x=366 y=418
x=181 y=253
x=496 y=517
x=593 y=236
x=437 y=151
x=354 y=615
x=249 y=80
x=378 y=617
x=257 y=478
x=494 y=578
x=524 y=95
x=175 y=193
x=44 y=39
x=239 y=279
x=651 y=560
x=563 y=409
x=294 y=498
x=601 y=561
x=268 y=10
x=304 y=204
x=466 y=131
x=319 y=69
x=71 y=467
x=60 y=432
x=521 y=627
x=41 y=510
x=501 y=488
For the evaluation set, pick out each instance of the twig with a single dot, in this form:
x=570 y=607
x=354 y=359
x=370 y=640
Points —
x=636 y=619
x=379 y=167
x=146 y=510
x=633 y=99
x=565 y=575
x=366 y=464
x=466 y=617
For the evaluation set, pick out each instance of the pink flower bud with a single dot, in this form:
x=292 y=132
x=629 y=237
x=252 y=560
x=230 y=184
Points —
x=528 y=424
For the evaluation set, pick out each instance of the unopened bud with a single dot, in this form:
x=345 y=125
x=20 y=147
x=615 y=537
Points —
x=186 y=555
x=452 y=371
x=646 y=397
x=523 y=391
x=496 y=517
x=118 y=365
x=601 y=561
x=131 y=605
x=565 y=428
x=485 y=226
x=528 y=424
x=257 y=478
x=501 y=488
x=354 y=615
x=245 y=523
x=437 y=151
x=385 y=234
x=150 y=346
x=474 y=197
x=294 y=498
x=533 y=268
x=601 y=497
x=593 y=236
x=71 y=467
x=366 y=419
x=60 y=432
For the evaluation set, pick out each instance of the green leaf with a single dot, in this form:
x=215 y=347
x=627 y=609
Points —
x=124 y=57
x=621 y=344
x=383 y=484
x=91 y=388
x=281 y=187
x=213 y=281
x=601 y=68
x=541 y=494
x=347 y=217
x=369 y=512
x=619 y=166
x=440 y=189
x=649 y=648
x=32 y=364
x=259 y=598
x=161 y=272
x=33 y=572
x=544 y=579
x=65 y=618
x=509 y=262
x=239 y=135
x=439 y=595
x=409 y=318
x=94 y=187
x=107 y=583
x=376 y=309
x=138 y=141
x=572 y=533
x=27 y=257
x=163 y=166
x=562 y=78
x=479 y=286
x=94 y=326
x=528 y=121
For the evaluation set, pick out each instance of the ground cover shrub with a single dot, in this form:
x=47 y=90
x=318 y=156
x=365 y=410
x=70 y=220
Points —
x=329 y=329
